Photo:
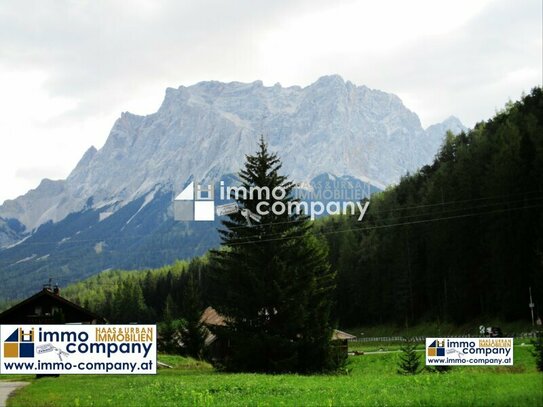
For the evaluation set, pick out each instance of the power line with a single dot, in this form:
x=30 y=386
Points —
x=391 y=225
x=400 y=208
x=366 y=228
x=121 y=253
x=324 y=232
x=408 y=216
x=446 y=203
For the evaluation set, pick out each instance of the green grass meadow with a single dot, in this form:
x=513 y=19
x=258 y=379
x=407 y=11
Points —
x=370 y=380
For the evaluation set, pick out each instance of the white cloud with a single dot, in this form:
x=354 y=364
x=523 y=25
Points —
x=68 y=68
x=374 y=27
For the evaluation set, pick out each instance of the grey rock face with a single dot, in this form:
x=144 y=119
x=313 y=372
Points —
x=204 y=131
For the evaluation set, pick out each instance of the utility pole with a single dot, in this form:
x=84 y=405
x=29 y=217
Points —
x=531 y=305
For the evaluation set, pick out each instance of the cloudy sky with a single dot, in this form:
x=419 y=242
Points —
x=68 y=68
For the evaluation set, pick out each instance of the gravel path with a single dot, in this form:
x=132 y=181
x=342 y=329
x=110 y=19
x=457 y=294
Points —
x=6 y=388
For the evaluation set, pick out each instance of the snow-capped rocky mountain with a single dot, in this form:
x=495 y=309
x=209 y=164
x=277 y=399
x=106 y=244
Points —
x=202 y=132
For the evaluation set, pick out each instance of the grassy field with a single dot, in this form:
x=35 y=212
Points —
x=370 y=380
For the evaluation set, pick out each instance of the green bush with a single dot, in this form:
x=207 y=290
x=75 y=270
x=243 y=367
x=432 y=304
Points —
x=409 y=362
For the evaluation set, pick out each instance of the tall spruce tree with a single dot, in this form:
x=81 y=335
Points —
x=274 y=280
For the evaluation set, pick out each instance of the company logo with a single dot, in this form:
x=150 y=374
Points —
x=469 y=351
x=20 y=344
x=436 y=348
x=78 y=349
x=195 y=203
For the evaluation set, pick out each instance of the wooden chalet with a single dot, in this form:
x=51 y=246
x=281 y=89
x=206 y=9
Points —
x=48 y=307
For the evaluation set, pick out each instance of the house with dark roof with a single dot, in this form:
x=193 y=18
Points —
x=48 y=307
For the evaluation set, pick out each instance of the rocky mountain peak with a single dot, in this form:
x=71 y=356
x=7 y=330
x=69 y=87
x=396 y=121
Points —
x=204 y=130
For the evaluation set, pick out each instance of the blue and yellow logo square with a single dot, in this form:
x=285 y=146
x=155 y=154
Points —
x=20 y=344
x=436 y=348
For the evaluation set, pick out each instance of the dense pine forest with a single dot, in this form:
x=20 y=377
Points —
x=458 y=240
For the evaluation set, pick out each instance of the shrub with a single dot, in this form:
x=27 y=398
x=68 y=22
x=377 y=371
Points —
x=409 y=362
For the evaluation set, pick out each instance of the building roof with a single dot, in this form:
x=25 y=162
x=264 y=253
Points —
x=213 y=318
x=340 y=335
x=85 y=314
